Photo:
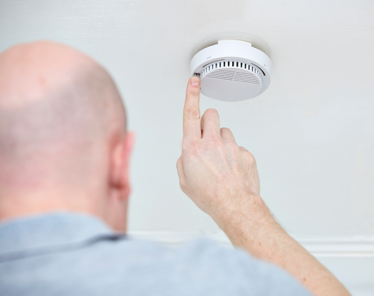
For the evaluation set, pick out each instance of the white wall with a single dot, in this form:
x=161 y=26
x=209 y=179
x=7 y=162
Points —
x=312 y=131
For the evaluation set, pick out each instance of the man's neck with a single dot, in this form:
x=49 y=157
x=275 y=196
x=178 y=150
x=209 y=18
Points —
x=16 y=204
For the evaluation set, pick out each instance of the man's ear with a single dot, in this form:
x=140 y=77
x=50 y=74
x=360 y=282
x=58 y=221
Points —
x=120 y=166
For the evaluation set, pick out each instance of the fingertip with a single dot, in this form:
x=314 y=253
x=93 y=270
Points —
x=195 y=81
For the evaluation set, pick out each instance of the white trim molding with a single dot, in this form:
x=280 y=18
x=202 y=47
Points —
x=355 y=246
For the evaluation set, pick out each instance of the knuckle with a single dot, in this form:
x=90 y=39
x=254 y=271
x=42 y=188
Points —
x=190 y=146
x=250 y=157
x=178 y=162
x=232 y=145
x=195 y=92
x=215 y=141
x=192 y=112
x=182 y=185
x=185 y=145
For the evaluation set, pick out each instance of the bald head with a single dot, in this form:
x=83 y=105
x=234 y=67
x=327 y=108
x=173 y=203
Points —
x=60 y=112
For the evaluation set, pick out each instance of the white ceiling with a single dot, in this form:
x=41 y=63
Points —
x=312 y=131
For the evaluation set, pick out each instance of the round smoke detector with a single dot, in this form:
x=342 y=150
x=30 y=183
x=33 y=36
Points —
x=232 y=70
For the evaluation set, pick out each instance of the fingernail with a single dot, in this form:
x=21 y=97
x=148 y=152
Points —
x=195 y=81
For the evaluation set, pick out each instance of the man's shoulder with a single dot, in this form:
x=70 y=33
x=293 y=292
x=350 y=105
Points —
x=204 y=265
x=93 y=260
x=137 y=267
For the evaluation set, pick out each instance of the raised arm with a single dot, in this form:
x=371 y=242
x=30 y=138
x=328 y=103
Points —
x=221 y=178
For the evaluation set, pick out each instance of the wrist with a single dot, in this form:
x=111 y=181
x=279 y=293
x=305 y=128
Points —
x=251 y=226
x=249 y=211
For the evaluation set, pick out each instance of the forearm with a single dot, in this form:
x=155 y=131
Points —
x=256 y=231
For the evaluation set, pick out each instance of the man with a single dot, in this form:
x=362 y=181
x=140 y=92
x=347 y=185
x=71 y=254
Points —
x=64 y=189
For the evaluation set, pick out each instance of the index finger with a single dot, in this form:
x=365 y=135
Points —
x=191 y=110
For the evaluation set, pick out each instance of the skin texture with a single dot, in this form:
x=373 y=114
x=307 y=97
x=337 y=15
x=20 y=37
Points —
x=221 y=178
x=63 y=138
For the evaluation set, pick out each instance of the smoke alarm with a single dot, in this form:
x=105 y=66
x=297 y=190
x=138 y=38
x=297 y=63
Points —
x=232 y=70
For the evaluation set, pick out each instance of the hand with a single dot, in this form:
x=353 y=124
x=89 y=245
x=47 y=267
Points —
x=217 y=174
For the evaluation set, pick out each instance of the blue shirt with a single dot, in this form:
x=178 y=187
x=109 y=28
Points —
x=77 y=254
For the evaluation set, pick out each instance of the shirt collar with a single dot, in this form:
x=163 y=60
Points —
x=49 y=230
